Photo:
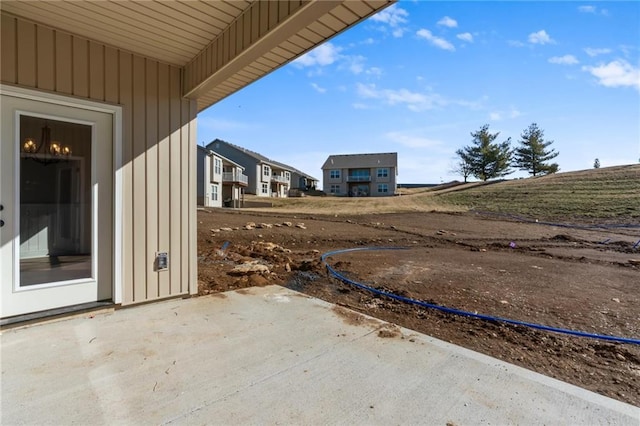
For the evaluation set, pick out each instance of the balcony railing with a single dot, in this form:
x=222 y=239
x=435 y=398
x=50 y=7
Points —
x=230 y=177
x=358 y=178
x=280 y=179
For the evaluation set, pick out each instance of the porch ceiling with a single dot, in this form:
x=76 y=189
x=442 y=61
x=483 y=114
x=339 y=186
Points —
x=177 y=32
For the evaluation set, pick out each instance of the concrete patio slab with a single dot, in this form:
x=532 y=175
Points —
x=270 y=355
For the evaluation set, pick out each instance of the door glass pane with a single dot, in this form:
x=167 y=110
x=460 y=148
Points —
x=55 y=201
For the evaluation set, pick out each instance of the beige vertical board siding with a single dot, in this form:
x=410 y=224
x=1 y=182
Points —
x=255 y=24
x=164 y=223
x=96 y=71
x=64 y=75
x=125 y=98
x=8 y=46
x=151 y=175
x=46 y=51
x=139 y=182
x=263 y=17
x=27 y=54
x=184 y=197
x=192 y=280
x=111 y=72
x=175 y=188
x=80 y=70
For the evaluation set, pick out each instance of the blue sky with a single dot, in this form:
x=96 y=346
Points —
x=420 y=76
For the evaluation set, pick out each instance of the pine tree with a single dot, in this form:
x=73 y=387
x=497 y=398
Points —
x=487 y=159
x=533 y=154
x=596 y=164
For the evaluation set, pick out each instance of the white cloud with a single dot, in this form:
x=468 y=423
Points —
x=593 y=10
x=398 y=32
x=465 y=37
x=412 y=141
x=540 y=37
x=360 y=105
x=414 y=101
x=596 y=51
x=618 y=73
x=374 y=71
x=587 y=9
x=318 y=88
x=448 y=22
x=564 y=60
x=515 y=43
x=434 y=40
x=393 y=16
x=501 y=115
x=323 y=55
x=355 y=64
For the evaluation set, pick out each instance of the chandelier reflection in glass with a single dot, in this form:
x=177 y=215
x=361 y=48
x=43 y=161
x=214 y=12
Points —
x=48 y=151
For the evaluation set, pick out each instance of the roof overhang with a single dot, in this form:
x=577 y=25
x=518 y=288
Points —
x=221 y=46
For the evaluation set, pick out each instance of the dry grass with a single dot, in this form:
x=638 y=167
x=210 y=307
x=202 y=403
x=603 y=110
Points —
x=606 y=193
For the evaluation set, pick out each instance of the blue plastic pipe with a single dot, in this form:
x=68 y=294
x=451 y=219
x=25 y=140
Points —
x=423 y=304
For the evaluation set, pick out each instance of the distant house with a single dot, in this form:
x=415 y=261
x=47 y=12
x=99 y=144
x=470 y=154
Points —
x=302 y=181
x=266 y=177
x=361 y=175
x=220 y=182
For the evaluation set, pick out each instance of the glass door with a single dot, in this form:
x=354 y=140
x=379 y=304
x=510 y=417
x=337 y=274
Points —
x=56 y=193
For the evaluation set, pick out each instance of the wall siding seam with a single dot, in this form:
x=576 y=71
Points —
x=158 y=136
x=37 y=56
x=131 y=181
x=15 y=51
x=54 y=66
x=146 y=205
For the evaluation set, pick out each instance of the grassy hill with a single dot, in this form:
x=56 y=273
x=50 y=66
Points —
x=605 y=193
x=611 y=193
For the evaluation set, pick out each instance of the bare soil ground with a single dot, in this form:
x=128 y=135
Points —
x=587 y=280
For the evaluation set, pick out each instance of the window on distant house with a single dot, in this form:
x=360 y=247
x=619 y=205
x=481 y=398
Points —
x=383 y=173
x=265 y=188
x=287 y=175
x=217 y=166
x=383 y=187
x=334 y=189
x=334 y=174
x=214 y=192
x=266 y=171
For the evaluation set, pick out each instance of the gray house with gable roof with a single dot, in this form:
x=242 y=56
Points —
x=266 y=177
x=361 y=175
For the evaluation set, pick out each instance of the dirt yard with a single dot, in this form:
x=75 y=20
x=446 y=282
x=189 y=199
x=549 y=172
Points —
x=579 y=279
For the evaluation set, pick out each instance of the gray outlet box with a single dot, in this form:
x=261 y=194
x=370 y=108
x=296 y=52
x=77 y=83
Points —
x=162 y=261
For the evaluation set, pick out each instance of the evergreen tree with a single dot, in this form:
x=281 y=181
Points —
x=596 y=164
x=533 y=154
x=487 y=159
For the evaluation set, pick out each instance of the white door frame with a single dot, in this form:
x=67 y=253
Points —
x=116 y=112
